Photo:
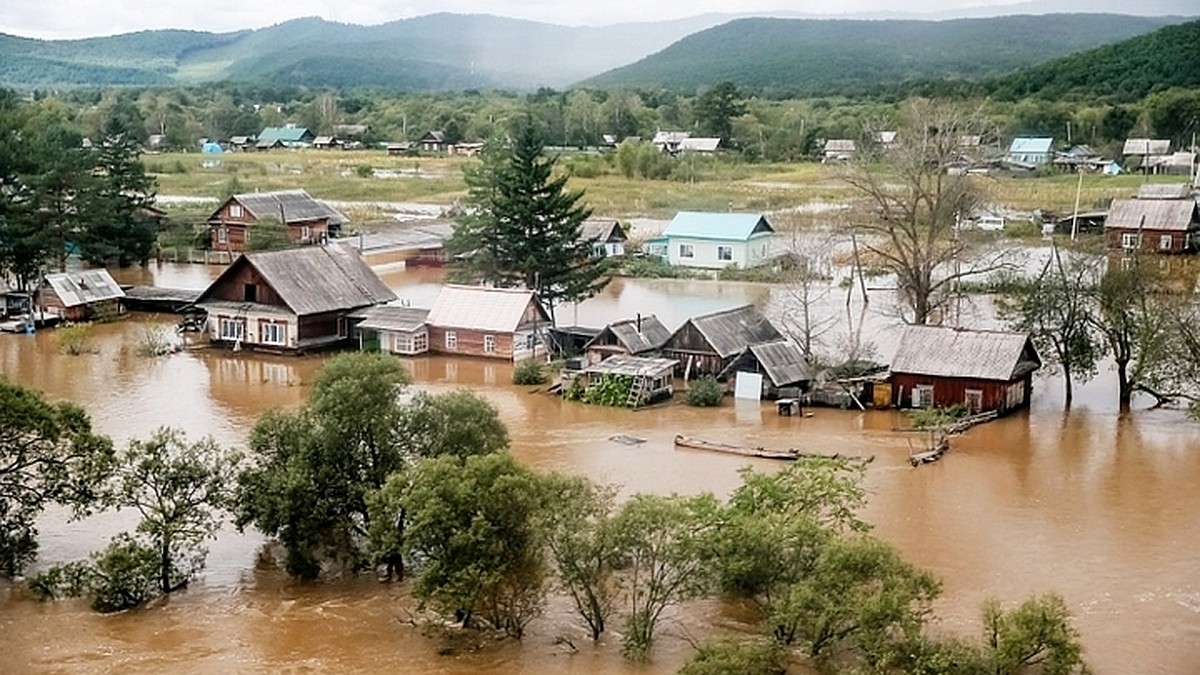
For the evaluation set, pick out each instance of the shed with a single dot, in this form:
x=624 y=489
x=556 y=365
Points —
x=637 y=336
x=704 y=345
x=1164 y=191
x=1159 y=225
x=1146 y=147
x=79 y=296
x=781 y=363
x=499 y=323
x=717 y=240
x=326 y=142
x=839 y=150
x=392 y=328
x=983 y=370
x=653 y=378
x=606 y=235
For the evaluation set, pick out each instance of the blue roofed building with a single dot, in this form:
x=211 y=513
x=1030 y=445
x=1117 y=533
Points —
x=717 y=240
x=1031 y=151
x=288 y=137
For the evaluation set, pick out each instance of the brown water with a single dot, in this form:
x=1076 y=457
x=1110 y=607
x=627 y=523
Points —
x=1101 y=509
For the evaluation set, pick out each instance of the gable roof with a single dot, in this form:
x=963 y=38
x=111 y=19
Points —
x=781 y=361
x=313 y=279
x=433 y=137
x=637 y=335
x=1164 y=191
x=285 y=134
x=975 y=354
x=722 y=226
x=499 y=310
x=392 y=317
x=700 y=144
x=840 y=145
x=601 y=230
x=1152 y=214
x=325 y=140
x=1146 y=146
x=87 y=286
x=1024 y=144
x=730 y=331
x=294 y=205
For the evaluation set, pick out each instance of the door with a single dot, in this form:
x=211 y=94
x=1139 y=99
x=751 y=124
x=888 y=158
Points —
x=922 y=396
x=974 y=400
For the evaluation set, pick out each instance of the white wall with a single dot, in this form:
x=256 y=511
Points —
x=744 y=254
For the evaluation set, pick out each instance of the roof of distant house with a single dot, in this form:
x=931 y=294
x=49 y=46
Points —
x=730 y=331
x=781 y=360
x=974 y=354
x=641 y=334
x=285 y=134
x=722 y=226
x=1152 y=214
x=288 y=206
x=1146 y=146
x=1023 y=144
x=602 y=230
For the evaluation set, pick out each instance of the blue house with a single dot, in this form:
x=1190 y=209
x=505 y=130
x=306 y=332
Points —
x=1031 y=151
x=716 y=240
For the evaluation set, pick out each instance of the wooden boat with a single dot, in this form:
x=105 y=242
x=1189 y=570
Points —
x=791 y=454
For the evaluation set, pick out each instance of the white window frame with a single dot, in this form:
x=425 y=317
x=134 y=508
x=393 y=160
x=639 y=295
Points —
x=920 y=400
x=236 y=211
x=725 y=253
x=973 y=393
x=687 y=251
x=489 y=343
x=452 y=340
x=1130 y=240
x=231 y=329
x=305 y=233
x=274 y=333
x=1165 y=241
x=531 y=342
x=402 y=343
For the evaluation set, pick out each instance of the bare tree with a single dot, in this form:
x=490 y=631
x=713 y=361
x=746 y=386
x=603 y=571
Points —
x=807 y=271
x=915 y=192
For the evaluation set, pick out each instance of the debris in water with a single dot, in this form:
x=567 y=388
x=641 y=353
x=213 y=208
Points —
x=625 y=439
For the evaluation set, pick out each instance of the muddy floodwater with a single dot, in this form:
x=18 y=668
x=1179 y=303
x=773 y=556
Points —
x=1100 y=508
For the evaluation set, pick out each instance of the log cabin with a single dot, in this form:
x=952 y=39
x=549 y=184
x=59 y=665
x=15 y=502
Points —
x=496 y=323
x=80 y=296
x=704 y=345
x=1163 y=219
x=639 y=336
x=304 y=219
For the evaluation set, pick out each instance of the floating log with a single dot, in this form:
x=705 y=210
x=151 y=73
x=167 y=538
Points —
x=928 y=456
x=790 y=455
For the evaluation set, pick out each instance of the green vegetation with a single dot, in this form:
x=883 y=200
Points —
x=75 y=339
x=530 y=372
x=936 y=418
x=705 y=392
x=609 y=389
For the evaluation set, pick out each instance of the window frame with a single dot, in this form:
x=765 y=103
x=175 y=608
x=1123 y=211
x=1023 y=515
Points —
x=1165 y=242
x=1130 y=240
x=489 y=343
x=724 y=253
x=687 y=251
x=269 y=328
x=236 y=211
x=420 y=342
x=222 y=235
x=239 y=328
x=451 y=340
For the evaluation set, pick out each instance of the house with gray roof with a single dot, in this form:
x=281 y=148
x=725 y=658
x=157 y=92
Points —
x=291 y=301
x=80 y=296
x=287 y=137
x=642 y=335
x=983 y=370
x=605 y=235
x=304 y=220
x=781 y=363
x=393 y=328
x=1154 y=224
x=1030 y=152
x=716 y=240
x=706 y=344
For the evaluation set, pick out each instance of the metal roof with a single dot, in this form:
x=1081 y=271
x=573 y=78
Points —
x=782 y=361
x=235 y=307
x=700 y=144
x=637 y=366
x=730 y=331
x=642 y=334
x=1164 y=191
x=1024 y=145
x=1152 y=214
x=722 y=226
x=974 y=354
x=392 y=317
x=285 y=134
x=1146 y=146
x=288 y=206
x=85 y=287
x=601 y=230
x=500 y=310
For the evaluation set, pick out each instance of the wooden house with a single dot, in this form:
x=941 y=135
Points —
x=639 y=336
x=839 y=150
x=497 y=323
x=705 y=345
x=1145 y=149
x=780 y=362
x=291 y=301
x=434 y=141
x=1158 y=225
x=717 y=240
x=79 y=296
x=1030 y=152
x=606 y=236
x=12 y=301
x=670 y=142
x=398 y=148
x=327 y=143
x=241 y=143
x=942 y=367
x=394 y=329
x=306 y=220
x=287 y=137
x=653 y=378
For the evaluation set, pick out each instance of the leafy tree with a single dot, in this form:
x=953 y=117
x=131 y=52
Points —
x=582 y=543
x=716 y=108
x=705 y=392
x=1037 y=634
x=460 y=423
x=48 y=454
x=122 y=576
x=474 y=525
x=1117 y=122
x=762 y=657
x=661 y=544
x=525 y=227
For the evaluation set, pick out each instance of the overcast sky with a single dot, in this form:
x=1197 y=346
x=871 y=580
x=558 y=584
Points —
x=52 y=19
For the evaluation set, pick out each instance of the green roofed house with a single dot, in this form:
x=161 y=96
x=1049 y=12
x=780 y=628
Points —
x=288 y=137
x=717 y=240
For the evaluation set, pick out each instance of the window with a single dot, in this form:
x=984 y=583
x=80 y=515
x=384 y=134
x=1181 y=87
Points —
x=451 y=340
x=530 y=342
x=489 y=343
x=222 y=235
x=922 y=396
x=250 y=293
x=687 y=251
x=274 y=333
x=974 y=399
x=236 y=211
x=305 y=233
x=1129 y=240
x=232 y=329
x=420 y=343
x=343 y=327
x=724 y=253
x=402 y=344
x=1164 y=242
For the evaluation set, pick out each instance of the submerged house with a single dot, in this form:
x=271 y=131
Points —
x=497 y=323
x=79 y=296
x=839 y=150
x=984 y=370
x=705 y=345
x=392 y=328
x=717 y=240
x=1163 y=219
x=290 y=301
x=640 y=336
x=304 y=219
x=780 y=362
x=652 y=378
x=606 y=236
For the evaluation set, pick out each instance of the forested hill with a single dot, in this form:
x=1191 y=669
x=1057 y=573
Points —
x=439 y=51
x=832 y=57
x=1124 y=71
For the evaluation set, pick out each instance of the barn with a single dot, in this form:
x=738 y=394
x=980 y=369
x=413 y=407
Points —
x=705 y=345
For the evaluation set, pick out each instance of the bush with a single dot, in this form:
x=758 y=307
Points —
x=75 y=339
x=932 y=418
x=610 y=389
x=653 y=267
x=529 y=372
x=705 y=392
x=747 y=658
x=156 y=341
x=364 y=171
x=122 y=576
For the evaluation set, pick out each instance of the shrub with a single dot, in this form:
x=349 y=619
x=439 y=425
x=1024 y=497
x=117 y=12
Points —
x=610 y=389
x=932 y=418
x=75 y=339
x=654 y=267
x=705 y=392
x=529 y=372
x=364 y=171
x=156 y=341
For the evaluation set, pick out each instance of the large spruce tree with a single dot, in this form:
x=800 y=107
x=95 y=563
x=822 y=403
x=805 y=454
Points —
x=523 y=225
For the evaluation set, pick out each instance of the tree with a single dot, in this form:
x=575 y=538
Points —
x=716 y=108
x=1037 y=634
x=475 y=526
x=459 y=423
x=1117 y=122
x=122 y=576
x=913 y=207
x=761 y=657
x=1057 y=310
x=118 y=227
x=48 y=454
x=661 y=544
x=525 y=226
x=807 y=273
x=582 y=543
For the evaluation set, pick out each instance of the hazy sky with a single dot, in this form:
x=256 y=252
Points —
x=84 y=18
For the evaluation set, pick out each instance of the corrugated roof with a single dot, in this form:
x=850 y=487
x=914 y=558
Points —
x=324 y=140
x=315 y=279
x=671 y=137
x=479 y=308
x=601 y=230
x=700 y=144
x=81 y=288
x=637 y=335
x=285 y=134
x=730 y=331
x=1164 y=191
x=294 y=205
x=783 y=362
x=975 y=354
x=1146 y=146
x=392 y=317
x=1022 y=144
x=1152 y=214
x=637 y=366
x=724 y=226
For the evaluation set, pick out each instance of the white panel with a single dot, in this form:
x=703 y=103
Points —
x=748 y=386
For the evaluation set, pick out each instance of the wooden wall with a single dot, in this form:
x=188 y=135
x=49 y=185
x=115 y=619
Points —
x=687 y=342
x=233 y=287
x=949 y=391
x=470 y=343
x=1151 y=240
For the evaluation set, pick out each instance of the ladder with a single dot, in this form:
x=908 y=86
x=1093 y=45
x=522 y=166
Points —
x=636 y=392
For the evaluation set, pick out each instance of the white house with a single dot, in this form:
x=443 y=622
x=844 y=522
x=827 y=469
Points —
x=1031 y=151
x=605 y=235
x=717 y=240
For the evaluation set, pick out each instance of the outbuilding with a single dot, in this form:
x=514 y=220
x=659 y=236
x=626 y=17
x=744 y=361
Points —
x=780 y=362
x=496 y=323
x=80 y=296
x=705 y=345
x=639 y=336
